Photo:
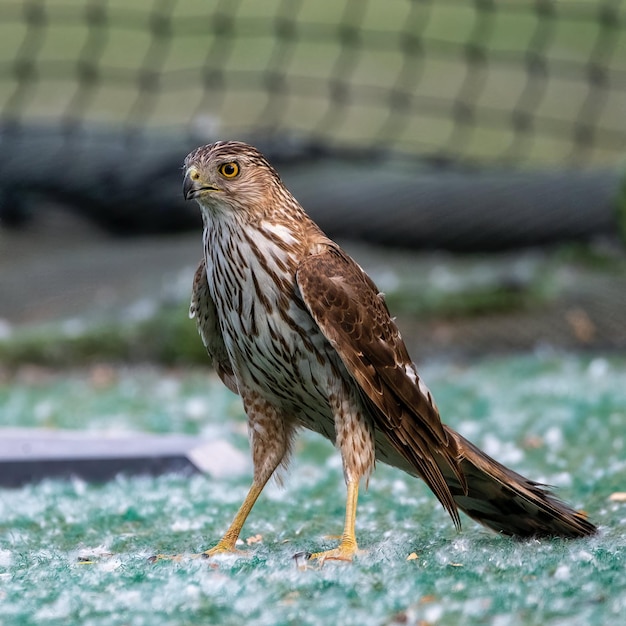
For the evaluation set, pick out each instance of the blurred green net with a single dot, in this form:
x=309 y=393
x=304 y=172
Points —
x=517 y=81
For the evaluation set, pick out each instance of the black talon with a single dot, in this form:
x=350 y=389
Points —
x=302 y=555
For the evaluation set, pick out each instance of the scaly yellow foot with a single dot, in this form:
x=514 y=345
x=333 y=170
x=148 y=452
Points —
x=223 y=548
x=168 y=557
x=207 y=554
x=346 y=551
x=348 y=547
x=226 y=545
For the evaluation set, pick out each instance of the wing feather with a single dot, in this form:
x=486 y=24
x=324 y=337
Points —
x=353 y=316
x=202 y=308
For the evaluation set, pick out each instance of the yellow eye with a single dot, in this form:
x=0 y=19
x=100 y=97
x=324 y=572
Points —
x=229 y=170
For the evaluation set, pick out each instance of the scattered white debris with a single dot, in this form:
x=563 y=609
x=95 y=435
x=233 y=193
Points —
x=598 y=368
x=469 y=428
x=168 y=388
x=59 y=609
x=475 y=607
x=562 y=572
x=6 y=558
x=553 y=438
x=561 y=479
x=504 y=451
x=432 y=613
x=100 y=551
x=185 y=525
x=110 y=565
x=196 y=407
x=585 y=556
x=43 y=410
x=618 y=496
x=258 y=538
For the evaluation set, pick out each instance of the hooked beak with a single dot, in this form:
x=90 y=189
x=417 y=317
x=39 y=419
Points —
x=193 y=188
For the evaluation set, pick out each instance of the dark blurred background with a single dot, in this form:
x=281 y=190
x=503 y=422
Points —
x=470 y=155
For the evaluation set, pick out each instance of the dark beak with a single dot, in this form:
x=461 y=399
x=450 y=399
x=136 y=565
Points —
x=190 y=187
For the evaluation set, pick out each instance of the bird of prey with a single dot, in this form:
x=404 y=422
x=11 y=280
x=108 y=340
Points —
x=297 y=329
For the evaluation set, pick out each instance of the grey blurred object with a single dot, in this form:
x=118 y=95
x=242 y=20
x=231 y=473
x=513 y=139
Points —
x=30 y=455
x=130 y=184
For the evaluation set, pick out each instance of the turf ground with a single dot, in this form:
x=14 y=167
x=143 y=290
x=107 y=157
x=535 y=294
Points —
x=77 y=553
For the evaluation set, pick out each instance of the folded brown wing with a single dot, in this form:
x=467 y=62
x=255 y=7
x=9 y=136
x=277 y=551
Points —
x=203 y=309
x=353 y=316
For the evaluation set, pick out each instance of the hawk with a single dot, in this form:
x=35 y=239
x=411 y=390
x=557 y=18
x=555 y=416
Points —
x=297 y=329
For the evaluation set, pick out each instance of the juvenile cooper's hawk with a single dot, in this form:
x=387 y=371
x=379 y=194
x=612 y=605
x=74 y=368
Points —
x=302 y=334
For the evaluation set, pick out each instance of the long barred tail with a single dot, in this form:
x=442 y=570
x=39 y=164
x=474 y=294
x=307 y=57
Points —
x=505 y=501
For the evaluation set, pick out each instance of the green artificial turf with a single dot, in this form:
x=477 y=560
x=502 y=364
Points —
x=77 y=553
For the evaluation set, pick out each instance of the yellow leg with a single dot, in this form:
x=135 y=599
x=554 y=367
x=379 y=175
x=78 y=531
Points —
x=347 y=547
x=227 y=542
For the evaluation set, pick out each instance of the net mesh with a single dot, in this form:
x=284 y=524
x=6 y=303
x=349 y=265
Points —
x=536 y=85
x=515 y=81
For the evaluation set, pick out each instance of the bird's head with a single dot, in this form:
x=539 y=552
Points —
x=229 y=175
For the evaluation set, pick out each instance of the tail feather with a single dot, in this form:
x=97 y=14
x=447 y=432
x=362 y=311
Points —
x=505 y=501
